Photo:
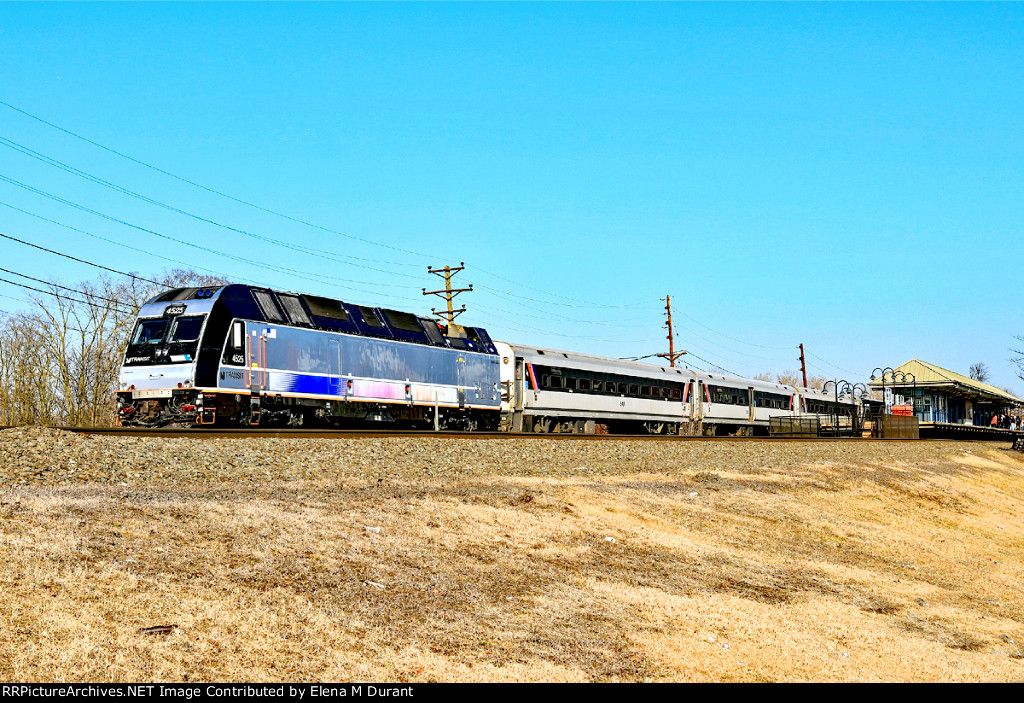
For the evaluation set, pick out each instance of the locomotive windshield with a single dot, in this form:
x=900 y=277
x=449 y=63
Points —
x=161 y=340
x=149 y=331
x=186 y=329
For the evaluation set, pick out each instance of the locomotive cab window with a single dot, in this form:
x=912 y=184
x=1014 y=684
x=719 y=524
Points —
x=186 y=329
x=149 y=331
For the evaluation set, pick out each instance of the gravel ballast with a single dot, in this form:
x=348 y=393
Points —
x=46 y=456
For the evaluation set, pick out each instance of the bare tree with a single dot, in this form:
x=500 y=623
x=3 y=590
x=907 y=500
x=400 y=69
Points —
x=979 y=371
x=795 y=378
x=1018 y=360
x=59 y=362
x=27 y=395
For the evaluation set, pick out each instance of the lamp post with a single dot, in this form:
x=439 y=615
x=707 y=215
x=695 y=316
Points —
x=887 y=369
x=835 y=408
x=858 y=407
x=902 y=379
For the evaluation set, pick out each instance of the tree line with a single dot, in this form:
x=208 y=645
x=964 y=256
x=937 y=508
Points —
x=59 y=359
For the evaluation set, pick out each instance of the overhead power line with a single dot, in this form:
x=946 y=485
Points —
x=199 y=218
x=838 y=368
x=187 y=264
x=116 y=303
x=290 y=218
x=319 y=278
x=212 y=190
x=82 y=261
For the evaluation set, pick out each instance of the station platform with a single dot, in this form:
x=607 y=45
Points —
x=950 y=430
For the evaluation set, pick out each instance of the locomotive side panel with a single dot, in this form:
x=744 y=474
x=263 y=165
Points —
x=305 y=362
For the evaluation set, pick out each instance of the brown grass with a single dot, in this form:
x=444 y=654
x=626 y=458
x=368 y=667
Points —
x=856 y=568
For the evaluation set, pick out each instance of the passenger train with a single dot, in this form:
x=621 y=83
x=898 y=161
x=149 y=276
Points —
x=240 y=355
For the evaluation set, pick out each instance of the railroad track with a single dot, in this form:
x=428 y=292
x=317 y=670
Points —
x=300 y=433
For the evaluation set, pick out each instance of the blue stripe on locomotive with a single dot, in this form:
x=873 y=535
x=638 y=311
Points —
x=309 y=363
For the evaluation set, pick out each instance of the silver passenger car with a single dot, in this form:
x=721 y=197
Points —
x=548 y=390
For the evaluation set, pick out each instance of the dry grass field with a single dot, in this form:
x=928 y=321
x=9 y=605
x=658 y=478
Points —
x=508 y=560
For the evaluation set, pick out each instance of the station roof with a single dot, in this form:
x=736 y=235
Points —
x=931 y=375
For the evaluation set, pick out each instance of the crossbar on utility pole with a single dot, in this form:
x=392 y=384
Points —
x=672 y=353
x=448 y=293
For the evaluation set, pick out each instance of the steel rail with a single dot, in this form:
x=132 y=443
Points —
x=301 y=433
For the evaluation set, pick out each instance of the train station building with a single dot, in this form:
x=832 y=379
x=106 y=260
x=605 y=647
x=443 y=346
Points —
x=940 y=396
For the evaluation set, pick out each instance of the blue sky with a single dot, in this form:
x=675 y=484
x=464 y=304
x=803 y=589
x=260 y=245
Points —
x=848 y=176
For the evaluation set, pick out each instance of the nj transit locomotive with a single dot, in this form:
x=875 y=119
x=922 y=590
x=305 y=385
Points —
x=243 y=355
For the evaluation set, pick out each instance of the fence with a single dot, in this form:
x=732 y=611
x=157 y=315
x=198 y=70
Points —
x=827 y=426
x=900 y=427
x=803 y=426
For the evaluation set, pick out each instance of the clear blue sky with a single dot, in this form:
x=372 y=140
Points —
x=848 y=176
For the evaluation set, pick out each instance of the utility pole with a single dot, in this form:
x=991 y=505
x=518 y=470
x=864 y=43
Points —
x=448 y=293
x=803 y=364
x=672 y=353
